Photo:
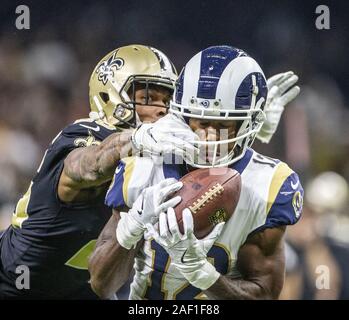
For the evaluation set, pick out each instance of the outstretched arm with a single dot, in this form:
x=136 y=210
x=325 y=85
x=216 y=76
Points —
x=261 y=263
x=282 y=90
x=92 y=166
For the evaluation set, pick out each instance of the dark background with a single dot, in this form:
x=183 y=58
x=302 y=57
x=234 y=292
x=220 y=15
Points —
x=44 y=74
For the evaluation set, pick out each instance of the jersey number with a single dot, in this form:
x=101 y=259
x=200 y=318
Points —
x=258 y=158
x=157 y=290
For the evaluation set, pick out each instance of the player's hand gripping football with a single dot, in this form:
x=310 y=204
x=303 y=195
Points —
x=146 y=209
x=279 y=95
x=188 y=254
x=169 y=134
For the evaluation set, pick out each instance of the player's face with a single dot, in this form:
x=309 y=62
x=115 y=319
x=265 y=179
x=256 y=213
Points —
x=152 y=106
x=214 y=130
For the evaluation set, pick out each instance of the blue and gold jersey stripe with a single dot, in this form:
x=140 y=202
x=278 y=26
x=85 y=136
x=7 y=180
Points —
x=282 y=172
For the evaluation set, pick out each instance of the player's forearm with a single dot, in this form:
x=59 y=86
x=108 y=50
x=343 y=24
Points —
x=239 y=289
x=110 y=266
x=95 y=165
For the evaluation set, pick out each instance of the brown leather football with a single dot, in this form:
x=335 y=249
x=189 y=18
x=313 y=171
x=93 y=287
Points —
x=211 y=195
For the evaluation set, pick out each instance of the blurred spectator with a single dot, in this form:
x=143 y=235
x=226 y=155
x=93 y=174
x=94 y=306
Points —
x=320 y=242
x=53 y=62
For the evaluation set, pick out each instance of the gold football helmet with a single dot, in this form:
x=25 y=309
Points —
x=111 y=97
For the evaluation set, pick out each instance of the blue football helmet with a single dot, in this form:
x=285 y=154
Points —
x=222 y=83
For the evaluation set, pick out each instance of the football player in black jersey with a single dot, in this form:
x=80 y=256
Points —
x=57 y=221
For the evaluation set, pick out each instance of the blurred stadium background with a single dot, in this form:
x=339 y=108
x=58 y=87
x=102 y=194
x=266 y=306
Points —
x=44 y=75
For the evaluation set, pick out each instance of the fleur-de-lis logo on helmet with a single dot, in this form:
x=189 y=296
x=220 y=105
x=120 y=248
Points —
x=105 y=69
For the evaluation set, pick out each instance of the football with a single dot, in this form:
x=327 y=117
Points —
x=211 y=195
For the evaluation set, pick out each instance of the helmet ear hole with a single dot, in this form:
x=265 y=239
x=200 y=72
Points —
x=104 y=96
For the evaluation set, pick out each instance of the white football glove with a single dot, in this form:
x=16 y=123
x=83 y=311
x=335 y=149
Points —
x=279 y=96
x=187 y=253
x=146 y=209
x=168 y=135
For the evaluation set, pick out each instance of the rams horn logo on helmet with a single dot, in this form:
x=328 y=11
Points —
x=105 y=70
x=205 y=103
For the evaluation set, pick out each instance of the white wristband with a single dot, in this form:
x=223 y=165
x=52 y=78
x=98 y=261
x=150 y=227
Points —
x=204 y=277
x=127 y=236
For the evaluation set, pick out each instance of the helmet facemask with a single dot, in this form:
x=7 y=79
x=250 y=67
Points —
x=129 y=102
x=248 y=125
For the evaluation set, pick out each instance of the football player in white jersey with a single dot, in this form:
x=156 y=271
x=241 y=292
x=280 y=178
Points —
x=220 y=94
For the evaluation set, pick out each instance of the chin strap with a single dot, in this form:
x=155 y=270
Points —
x=94 y=115
x=97 y=115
